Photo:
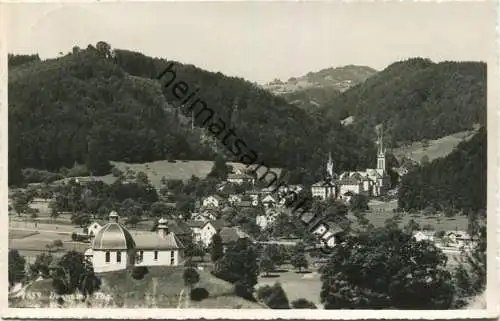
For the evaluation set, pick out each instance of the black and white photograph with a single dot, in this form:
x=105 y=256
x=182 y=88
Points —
x=302 y=159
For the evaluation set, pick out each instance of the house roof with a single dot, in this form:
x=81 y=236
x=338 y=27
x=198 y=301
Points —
x=245 y=204
x=193 y=223
x=324 y=183
x=219 y=224
x=350 y=181
x=113 y=236
x=152 y=241
x=217 y=197
x=238 y=176
x=178 y=227
x=232 y=234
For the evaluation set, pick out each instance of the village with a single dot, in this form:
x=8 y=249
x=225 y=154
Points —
x=239 y=209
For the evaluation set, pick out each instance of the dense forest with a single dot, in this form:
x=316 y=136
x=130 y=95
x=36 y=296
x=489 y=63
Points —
x=94 y=105
x=416 y=99
x=456 y=182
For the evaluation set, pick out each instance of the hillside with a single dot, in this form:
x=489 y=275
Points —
x=95 y=105
x=416 y=99
x=432 y=149
x=317 y=89
x=160 y=288
x=457 y=181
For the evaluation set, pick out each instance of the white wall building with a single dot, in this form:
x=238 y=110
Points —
x=114 y=248
x=212 y=201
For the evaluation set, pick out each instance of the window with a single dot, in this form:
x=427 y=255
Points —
x=172 y=258
x=139 y=257
x=118 y=257
x=108 y=257
x=156 y=255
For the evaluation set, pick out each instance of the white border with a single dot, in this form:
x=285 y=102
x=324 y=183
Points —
x=492 y=298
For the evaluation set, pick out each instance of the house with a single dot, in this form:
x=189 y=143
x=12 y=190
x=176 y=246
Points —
x=424 y=235
x=203 y=231
x=246 y=204
x=93 y=228
x=205 y=215
x=268 y=218
x=212 y=201
x=240 y=178
x=269 y=201
x=114 y=248
x=457 y=238
x=234 y=199
x=329 y=232
x=231 y=234
x=352 y=184
x=324 y=190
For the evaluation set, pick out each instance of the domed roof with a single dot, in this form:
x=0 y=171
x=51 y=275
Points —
x=113 y=236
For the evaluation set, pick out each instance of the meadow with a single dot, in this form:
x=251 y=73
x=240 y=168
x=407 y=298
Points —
x=180 y=169
x=434 y=148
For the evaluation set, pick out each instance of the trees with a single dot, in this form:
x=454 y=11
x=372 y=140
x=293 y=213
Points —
x=16 y=267
x=89 y=282
x=68 y=272
x=190 y=277
x=273 y=296
x=386 y=268
x=216 y=249
x=41 y=266
x=266 y=265
x=359 y=203
x=303 y=304
x=219 y=169
x=239 y=264
x=298 y=259
x=470 y=275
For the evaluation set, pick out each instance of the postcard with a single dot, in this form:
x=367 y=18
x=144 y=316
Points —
x=250 y=160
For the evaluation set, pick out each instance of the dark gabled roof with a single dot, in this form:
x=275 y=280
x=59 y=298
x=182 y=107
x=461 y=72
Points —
x=179 y=227
x=219 y=224
x=245 y=204
x=232 y=234
x=192 y=223
x=152 y=241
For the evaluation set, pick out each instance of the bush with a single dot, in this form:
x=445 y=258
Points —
x=303 y=304
x=198 y=294
x=74 y=236
x=78 y=170
x=116 y=172
x=273 y=296
x=139 y=272
x=32 y=175
x=243 y=291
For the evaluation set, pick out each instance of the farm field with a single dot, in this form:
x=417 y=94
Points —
x=436 y=148
x=182 y=170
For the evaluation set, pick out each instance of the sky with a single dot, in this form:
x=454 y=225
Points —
x=261 y=41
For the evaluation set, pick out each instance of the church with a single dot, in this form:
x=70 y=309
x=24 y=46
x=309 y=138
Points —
x=370 y=182
x=114 y=248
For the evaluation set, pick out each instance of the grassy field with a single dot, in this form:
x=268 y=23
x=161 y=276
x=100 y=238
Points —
x=296 y=285
x=21 y=234
x=381 y=211
x=435 y=149
x=161 y=288
x=156 y=170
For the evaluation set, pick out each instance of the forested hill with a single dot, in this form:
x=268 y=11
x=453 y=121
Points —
x=95 y=105
x=457 y=181
x=416 y=99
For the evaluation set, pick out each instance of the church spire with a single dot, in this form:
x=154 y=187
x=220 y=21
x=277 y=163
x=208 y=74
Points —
x=380 y=145
x=329 y=166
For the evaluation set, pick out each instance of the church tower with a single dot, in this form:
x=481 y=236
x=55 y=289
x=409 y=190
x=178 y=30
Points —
x=329 y=167
x=381 y=150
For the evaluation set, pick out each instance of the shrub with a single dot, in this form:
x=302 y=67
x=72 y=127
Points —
x=139 y=272
x=243 y=291
x=303 y=304
x=74 y=236
x=273 y=296
x=198 y=294
x=116 y=172
x=32 y=175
